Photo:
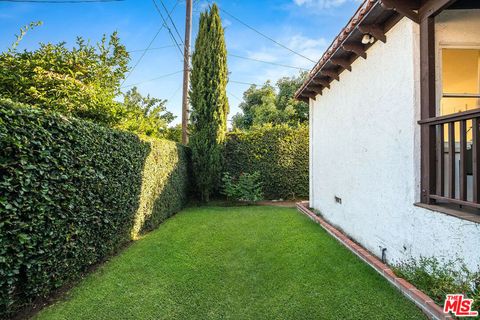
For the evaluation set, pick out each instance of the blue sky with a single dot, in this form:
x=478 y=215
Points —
x=306 y=26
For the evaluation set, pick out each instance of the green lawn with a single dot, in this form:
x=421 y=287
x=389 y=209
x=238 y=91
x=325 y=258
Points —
x=235 y=263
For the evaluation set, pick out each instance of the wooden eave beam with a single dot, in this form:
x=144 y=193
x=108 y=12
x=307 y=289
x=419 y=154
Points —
x=314 y=93
x=357 y=48
x=375 y=30
x=309 y=93
x=344 y=63
x=330 y=73
x=316 y=88
x=404 y=7
x=432 y=7
x=323 y=83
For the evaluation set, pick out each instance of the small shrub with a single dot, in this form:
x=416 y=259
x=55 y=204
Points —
x=247 y=187
x=437 y=278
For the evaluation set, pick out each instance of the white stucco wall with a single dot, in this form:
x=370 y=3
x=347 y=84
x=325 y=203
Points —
x=365 y=149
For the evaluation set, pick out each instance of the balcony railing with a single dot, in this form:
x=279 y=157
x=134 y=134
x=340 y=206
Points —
x=456 y=138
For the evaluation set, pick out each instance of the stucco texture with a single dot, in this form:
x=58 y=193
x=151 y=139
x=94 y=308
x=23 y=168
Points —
x=365 y=149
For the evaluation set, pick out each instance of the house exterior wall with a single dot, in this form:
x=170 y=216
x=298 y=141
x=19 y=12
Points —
x=365 y=150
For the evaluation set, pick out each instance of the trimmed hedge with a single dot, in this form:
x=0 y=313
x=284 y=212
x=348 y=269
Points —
x=73 y=193
x=278 y=153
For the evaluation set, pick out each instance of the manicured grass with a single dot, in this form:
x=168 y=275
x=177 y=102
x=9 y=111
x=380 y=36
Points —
x=235 y=263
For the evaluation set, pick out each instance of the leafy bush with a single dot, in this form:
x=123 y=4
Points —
x=144 y=115
x=437 y=278
x=82 y=82
x=278 y=153
x=71 y=194
x=246 y=188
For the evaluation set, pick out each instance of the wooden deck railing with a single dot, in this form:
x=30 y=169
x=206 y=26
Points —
x=457 y=158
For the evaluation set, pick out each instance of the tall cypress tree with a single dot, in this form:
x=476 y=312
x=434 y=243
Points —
x=208 y=98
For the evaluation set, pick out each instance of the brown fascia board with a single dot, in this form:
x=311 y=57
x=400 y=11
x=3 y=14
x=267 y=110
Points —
x=344 y=37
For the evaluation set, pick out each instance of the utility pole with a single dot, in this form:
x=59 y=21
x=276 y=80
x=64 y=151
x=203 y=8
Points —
x=186 y=72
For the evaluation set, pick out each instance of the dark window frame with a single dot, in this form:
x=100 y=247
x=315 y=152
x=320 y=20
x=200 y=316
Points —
x=433 y=195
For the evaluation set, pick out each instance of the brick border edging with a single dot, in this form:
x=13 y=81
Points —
x=424 y=302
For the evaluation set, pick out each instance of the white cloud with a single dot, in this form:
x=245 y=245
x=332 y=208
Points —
x=263 y=55
x=226 y=22
x=203 y=5
x=312 y=48
x=257 y=48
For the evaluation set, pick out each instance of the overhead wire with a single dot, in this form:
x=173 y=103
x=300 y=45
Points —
x=239 y=57
x=166 y=26
x=176 y=72
x=171 y=20
x=148 y=47
x=153 y=79
x=230 y=93
x=266 y=36
x=175 y=92
x=176 y=44
x=267 y=62
x=245 y=83
x=152 y=49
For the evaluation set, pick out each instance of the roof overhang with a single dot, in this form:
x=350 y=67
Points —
x=373 y=18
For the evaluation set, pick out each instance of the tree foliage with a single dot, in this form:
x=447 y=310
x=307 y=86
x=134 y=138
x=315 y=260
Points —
x=209 y=102
x=174 y=133
x=144 y=115
x=83 y=82
x=272 y=104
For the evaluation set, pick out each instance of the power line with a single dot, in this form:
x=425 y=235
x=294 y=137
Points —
x=143 y=54
x=230 y=93
x=151 y=49
x=62 y=1
x=175 y=92
x=171 y=20
x=265 y=36
x=176 y=72
x=235 y=56
x=153 y=79
x=166 y=26
x=245 y=83
x=148 y=47
x=268 y=62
